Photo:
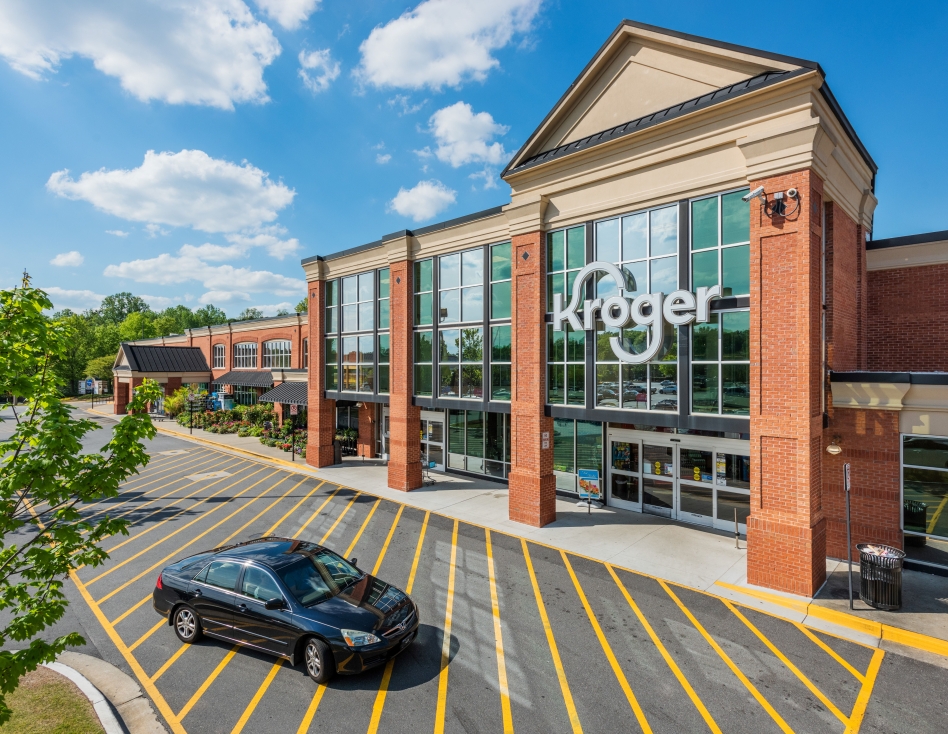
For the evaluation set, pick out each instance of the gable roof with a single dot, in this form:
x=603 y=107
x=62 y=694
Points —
x=164 y=359
x=617 y=75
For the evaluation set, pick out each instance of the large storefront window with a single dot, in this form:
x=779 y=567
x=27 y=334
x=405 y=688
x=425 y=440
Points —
x=358 y=340
x=461 y=287
x=383 y=322
x=566 y=366
x=576 y=445
x=358 y=302
x=720 y=243
x=499 y=353
x=358 y=363
x=479 y=442
x=332 y=306
x=423 y=284
x=924 y=498
x=720 y=369
x=276 y=354
x=244 y=395
x=565 y=257
x=461 y=363
x=423 y=363
x=332 y=363
x=245 y=356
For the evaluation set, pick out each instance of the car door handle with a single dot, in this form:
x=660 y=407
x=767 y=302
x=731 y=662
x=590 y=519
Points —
x=196 y=592
x=242 y=607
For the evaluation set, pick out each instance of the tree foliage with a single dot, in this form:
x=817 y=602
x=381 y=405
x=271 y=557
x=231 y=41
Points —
x=302 y=306
x=249 y=314
x=45 y=478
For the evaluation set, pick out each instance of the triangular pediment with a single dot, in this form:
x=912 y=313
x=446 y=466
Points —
x=641 y=70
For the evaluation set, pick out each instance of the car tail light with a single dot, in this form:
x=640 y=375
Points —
x=158 y=585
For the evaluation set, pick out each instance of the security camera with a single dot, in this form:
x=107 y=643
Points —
x=758 y=192
x=793 y=193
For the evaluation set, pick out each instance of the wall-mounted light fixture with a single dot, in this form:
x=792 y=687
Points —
x=834 y=448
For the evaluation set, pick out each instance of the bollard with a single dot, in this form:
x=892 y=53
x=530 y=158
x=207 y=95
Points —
x=737 y=532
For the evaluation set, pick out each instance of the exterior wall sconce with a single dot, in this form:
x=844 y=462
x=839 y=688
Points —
x=834 y=448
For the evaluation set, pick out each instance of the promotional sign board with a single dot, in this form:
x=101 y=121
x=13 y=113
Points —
x=294 y=409
x=589 y=488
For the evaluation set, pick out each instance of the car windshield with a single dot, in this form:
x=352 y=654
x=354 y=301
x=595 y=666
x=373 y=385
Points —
x=318 y=576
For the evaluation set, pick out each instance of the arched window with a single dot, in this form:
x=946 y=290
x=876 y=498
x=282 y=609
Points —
x=245 y=356
x=276 y=354
x=305 y=354
x=220 y=357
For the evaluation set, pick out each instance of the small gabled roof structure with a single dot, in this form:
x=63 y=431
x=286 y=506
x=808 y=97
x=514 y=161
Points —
x=146 y=359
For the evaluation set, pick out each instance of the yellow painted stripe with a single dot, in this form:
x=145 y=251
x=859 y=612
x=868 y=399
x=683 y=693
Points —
x=831 y=652
x=311 y=711
x=153 y=693
x=388 y=539
x=245 y=717
x=446 y=637
x=279 y=522
x=914 y=639
x=362 y=528
x=169 y=662
x=506 y=714
x=200 y=517
x=149 y=633
x=128 y=611
x=315 y=513
x=178 y=550
x=699 y=704
x=865 y=693
x=192 y=702
x=554 y=651
x=607 y=649
x=339 y=519
x=387 y=673
x=793 y=668
x=778 y=719
x=937 y=514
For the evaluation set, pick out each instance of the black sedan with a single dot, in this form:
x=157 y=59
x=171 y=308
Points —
x=289 y=598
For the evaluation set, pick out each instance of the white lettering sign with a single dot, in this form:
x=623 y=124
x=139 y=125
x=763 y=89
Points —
x=648 y=309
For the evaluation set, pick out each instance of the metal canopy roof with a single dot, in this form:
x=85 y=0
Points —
x=291 y=393
x=246 y=378
x=165 y=359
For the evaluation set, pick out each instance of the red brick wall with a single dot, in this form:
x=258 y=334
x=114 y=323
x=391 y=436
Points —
x=786 y=541
x=366 y=441
x=870 y=443
x=907 y=308
x=845 y=278
x=205 y=341
x=321 y=413
x=532 y=497
x=404 y=465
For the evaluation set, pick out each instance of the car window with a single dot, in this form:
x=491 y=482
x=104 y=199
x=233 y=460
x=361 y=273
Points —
x=223 y=574
x=258 y=584
x=318 y=576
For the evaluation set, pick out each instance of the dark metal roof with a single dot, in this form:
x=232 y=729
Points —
x=912 y=378
x=165 y=359
x=912 y=239
x=246 y=378
x=669 y=113
x=291 y=393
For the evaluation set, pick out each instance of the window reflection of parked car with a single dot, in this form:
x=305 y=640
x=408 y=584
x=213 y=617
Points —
x=668 y=389
x=700 y=382
x=501 y=394
x=739 y=391
x=667 y=404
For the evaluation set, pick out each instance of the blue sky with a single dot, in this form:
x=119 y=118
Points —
x=281 y=129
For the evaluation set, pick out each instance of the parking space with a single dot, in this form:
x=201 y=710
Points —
x=514 y=636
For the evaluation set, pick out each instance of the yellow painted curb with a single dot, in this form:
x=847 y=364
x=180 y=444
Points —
x=850 y=621
x=225 y=447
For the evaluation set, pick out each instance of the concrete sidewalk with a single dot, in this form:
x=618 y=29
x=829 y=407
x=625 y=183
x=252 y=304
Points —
x=700 y=558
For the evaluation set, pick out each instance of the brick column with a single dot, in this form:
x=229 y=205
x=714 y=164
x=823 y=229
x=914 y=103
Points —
x=321 y=427
x=122 y=398
x=404 y=465
x=366 y=441
x=532 y=484
x=786 y=530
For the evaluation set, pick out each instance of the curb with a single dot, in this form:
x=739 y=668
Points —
x=104 y=684
x=98 y=701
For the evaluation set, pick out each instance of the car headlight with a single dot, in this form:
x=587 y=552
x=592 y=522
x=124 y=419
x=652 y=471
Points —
x=355 y=638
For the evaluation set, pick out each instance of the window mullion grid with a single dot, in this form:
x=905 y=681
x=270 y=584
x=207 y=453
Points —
x=487 y=298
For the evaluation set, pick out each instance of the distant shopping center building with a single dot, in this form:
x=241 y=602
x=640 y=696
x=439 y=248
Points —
x=682 y=295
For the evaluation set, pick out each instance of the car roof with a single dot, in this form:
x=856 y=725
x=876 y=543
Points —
x=271 y=551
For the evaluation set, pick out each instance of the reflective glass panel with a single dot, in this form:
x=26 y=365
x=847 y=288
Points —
x=555 y=383
x=556 y=251
x=423 y=379
x=472 y=381
x=472 y=267
x=704 y=269
x=927 y=451
x=331 y=354
x=383 y=378
x=735 y=264
x=472 y=345
x=350 y=289
x=728 y=502
x=475 y=433
x=563 y=445
x=500 y=344
x=607 y=386
x=366 y=316
x=450 y=380
x=607 y=241
x=500 y=382
x=735 y=218
x=366 y=287
x=384 y=313
x=695 y=500
x=422 y=346
x=500 y=300
x=423 y=276
x=635 y=236
x=589 y=445
x=735 y=389
x=423 y=309
x=450 y=345
x=704 y=340
x=704 y=223
x=575 y=248
x=450 y=303
x=366 y=350
x=449 y=271
x=664 y=275
x=472 y=304
x=350 y=349
x=663 y=226
x=704 y=388
x=500 y=261
x=576 y=384
x=384 y=275
x=735 y=335
x=350 y=318
x=636 y=278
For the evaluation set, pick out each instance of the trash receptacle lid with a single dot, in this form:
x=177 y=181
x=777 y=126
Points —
x=883 y=551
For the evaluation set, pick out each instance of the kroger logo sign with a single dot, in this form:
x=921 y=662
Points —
x=649 y=310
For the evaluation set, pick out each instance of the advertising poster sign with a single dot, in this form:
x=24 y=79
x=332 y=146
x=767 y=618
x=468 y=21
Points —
x=589 y=487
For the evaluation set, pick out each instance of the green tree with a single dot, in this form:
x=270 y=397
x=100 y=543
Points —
x=302 y=306
x=106 y=339
x=69 y=363
x=100 y=367
x=138 y=325
x=209 y=315
x=250 y=313
x=116 y=308
x=44 y=477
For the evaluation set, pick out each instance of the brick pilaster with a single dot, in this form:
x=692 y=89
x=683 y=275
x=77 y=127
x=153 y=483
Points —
x=404 y=465
x=532 y=484
x=122 y=398
x=786 y=530
x=366 y=440
x=321 y=413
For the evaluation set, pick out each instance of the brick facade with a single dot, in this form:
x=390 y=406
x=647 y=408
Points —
x=404 y=465
x=320 y=412
x=906 y=309
x=532 y=483
x=366 y=441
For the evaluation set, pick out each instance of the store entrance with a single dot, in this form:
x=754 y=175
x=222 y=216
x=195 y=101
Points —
x=694 y=479
x=432 y=440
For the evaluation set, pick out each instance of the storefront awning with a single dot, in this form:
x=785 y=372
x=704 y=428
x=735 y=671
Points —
x=292 y=393
x=246 y=378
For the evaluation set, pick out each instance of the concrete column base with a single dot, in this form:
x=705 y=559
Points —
x=786 y=557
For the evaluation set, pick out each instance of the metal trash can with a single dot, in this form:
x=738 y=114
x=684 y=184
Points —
x=880 y=571
x=914 y=515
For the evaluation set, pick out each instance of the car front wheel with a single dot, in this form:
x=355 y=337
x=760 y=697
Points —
x=318 y=660
x=187 y=625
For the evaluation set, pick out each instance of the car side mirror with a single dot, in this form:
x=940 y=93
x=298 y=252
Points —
x=354 y=561
x=275 y=603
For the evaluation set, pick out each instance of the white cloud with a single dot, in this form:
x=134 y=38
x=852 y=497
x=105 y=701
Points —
x=186 y=189
x=211 y=52
x=489 y=177
x=288 y=13
x=274 y=308
x=426 y=200
x=464 y=137
x=403 y=102
x=383 y=158
x=160 y=301
x=442 y=42
x=268 y=238
x=318 y=70
x=75 y=300
x=71 y=259
x=117 y=232
x=223 y=297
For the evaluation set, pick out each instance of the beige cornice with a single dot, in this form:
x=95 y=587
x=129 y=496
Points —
x=869 y=395
x=907 y=256
x=527 y=216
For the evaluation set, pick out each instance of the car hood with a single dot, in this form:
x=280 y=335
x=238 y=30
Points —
x=368 y=605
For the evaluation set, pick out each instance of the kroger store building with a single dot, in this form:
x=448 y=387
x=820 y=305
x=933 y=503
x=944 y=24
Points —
x=682 y=294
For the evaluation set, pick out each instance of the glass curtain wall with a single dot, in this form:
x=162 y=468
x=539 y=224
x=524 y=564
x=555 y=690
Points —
x=924 y=496
x=384 y=317
x=645 y=246
x=565 y=350
x=461 y=301
x=332 y=331
x=720 y=254
x=479 y=442
x=423 y=284
x=576 y=445
x=358 y=339
x=500 y=304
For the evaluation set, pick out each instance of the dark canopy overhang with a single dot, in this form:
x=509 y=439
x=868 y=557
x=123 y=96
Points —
x=291 y=393
x=246 y=378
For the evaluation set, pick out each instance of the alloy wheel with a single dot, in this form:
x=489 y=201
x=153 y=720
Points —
x=313 y=663
x=185 y=623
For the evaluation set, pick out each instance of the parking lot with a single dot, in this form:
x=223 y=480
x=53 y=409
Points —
x=514 y=636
